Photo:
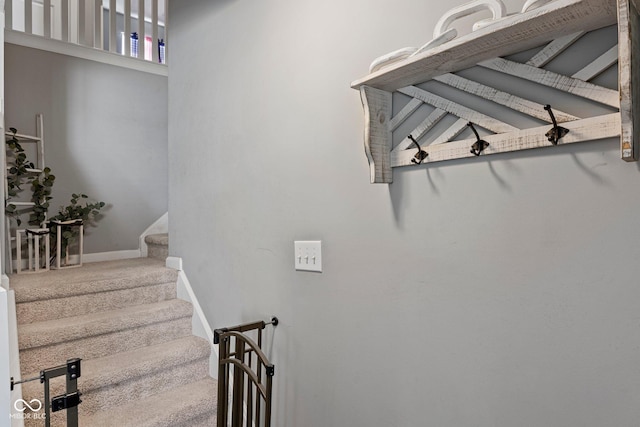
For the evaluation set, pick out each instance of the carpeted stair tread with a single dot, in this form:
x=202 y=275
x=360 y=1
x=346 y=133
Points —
x=161 y=239
x=183 y=406
x=73 y=328
x=34 y=359
x=111 y=380
x=121 y=367
x=41 y=310
x=157 y=246
x=91 y=278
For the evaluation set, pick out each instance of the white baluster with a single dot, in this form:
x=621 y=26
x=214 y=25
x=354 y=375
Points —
x=154 y=31
x=127 y=28
x=82 y=23
x=8 y=18
x=46 y=5
x=112 y=26
x=28 y=16
x=141 y=29
x=64 y=23
x=97 y=25
x=166 y=29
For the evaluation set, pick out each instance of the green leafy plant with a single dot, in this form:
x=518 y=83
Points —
x=18 y=164
x=41 y=186
x=17 y=174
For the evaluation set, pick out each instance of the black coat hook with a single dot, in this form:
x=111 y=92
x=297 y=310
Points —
x=420 y=155
x=478 y=146
x=556 y=132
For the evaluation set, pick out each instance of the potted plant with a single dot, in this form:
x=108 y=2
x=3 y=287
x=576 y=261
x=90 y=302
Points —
x=70 y=221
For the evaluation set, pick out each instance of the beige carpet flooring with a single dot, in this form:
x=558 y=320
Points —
x=141 y=366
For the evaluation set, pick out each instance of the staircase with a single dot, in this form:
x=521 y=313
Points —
x=141 y=366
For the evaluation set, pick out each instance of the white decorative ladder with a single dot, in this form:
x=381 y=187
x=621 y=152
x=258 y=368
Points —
x=32 y=235
x=399 y=93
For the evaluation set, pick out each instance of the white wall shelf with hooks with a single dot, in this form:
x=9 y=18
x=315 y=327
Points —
x=550 y=26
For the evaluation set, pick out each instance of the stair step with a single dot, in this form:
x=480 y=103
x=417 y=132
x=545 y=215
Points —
x=191 y=405
x=90 y=279
x=111 y=381
x=157 y=246
x=50 y=343
x=161 y=239
x=38 y=311
x=141 y=364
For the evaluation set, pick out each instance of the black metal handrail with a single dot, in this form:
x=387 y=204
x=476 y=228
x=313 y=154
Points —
x=236 y=389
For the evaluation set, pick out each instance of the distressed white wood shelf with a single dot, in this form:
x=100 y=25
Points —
x=553 y=27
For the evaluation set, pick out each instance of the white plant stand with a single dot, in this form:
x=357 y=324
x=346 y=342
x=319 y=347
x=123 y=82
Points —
x=68 y=258
x=39 y=258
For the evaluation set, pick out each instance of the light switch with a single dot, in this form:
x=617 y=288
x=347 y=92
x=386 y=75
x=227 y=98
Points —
x=308 y=255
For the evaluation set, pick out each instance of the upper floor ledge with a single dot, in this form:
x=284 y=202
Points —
x=84 y=52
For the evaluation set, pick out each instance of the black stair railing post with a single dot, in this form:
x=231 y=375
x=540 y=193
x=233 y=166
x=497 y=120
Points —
x=47 y=403
x=223 y=379
x=69 y=401
x=238 y=386
x=267 y=399
x=73 y=372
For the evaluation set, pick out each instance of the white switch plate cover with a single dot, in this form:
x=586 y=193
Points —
x=308 y=255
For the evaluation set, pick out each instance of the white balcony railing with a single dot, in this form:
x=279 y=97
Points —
x=131 y=28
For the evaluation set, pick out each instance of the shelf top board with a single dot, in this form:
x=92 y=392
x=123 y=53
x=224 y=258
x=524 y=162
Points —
x=20 y=203
x=29 y=170
x=515 y=33
x=23 y=138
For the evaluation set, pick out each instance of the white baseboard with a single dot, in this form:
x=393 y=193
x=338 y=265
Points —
x=110 y=256
x=200 y=325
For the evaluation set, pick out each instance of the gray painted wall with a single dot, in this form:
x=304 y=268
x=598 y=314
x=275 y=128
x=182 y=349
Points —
x=500 y=291
x=105 y=135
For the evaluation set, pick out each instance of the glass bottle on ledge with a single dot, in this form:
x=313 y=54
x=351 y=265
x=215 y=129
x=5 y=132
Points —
x=134 y=44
